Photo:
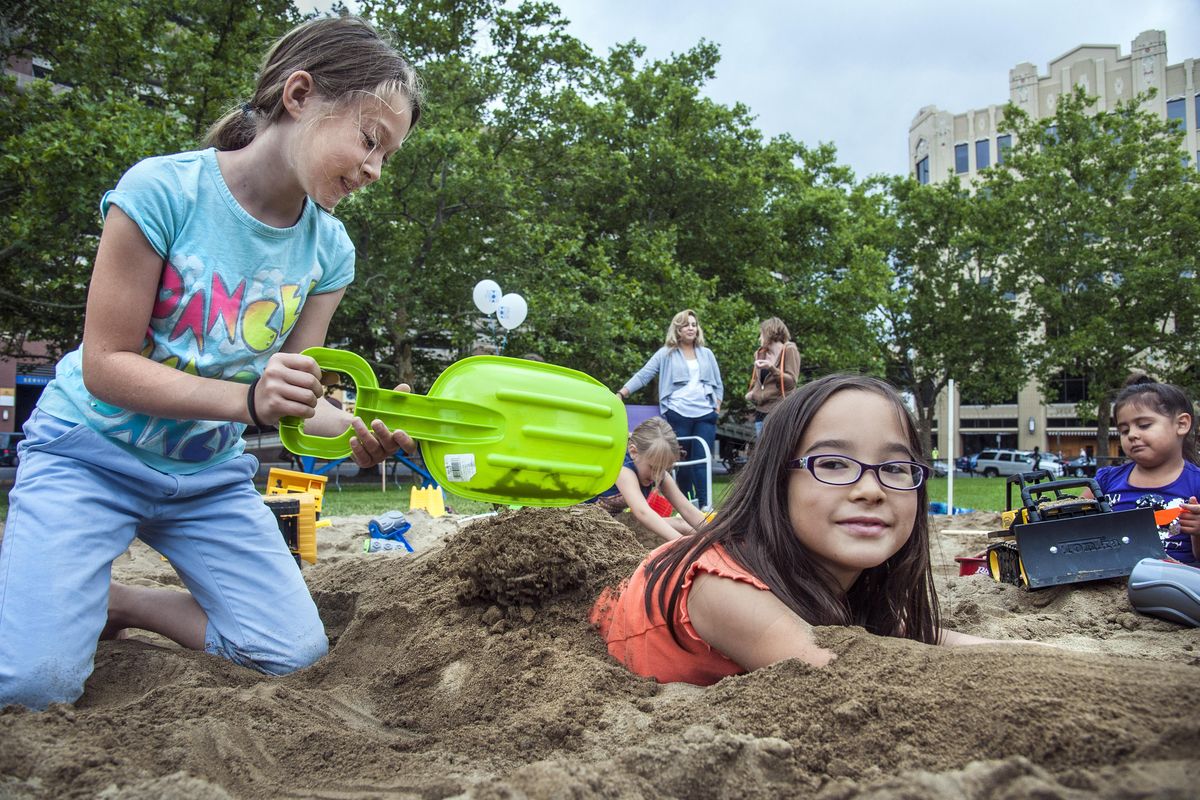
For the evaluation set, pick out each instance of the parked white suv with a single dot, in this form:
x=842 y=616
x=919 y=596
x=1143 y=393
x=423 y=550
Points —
x=992 y=463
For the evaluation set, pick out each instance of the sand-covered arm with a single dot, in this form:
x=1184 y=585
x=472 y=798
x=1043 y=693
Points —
x=630 y=488
x=949 y=638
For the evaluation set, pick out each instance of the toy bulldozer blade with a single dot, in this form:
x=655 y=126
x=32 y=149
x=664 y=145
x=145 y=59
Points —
x=1086 y=548
x=1054 y=537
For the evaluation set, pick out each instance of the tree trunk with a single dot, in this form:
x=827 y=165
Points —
x=925 y=427
x=1103 y=415
x=402 y=348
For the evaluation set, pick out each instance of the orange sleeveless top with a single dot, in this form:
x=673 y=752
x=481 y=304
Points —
x=643 y=642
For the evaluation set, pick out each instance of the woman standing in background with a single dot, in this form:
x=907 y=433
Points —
x=774 y=372
x=689 y=393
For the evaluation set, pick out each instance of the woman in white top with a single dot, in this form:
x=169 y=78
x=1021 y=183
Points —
x=689 y=393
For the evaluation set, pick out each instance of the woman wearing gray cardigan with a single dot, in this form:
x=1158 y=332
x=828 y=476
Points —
x=689 y=393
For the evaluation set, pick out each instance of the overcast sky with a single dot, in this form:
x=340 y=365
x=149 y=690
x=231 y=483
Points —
x=855 y=72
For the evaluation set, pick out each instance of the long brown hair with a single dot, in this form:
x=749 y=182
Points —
x=895 y=598
x=345 y=56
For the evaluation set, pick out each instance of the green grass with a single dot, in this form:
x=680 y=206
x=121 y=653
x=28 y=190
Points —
x=981 y=494
x=365 y=498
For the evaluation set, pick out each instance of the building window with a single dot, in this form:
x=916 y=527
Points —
x=1052 y=134
x=1069 y=387
x=968 y=397
x=923 y=170
x=983 y=154
x=1177 y=112
x=988 y=422
x=960 y=158
x=1197 y=109
x=1003 y=145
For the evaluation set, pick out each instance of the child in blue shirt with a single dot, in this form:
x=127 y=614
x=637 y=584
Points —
x=214 y=271
x=1158 y=434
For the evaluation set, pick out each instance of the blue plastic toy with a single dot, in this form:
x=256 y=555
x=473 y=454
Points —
x=390 y=526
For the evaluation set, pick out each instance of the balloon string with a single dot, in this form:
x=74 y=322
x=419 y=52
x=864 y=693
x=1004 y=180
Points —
x=503 y=343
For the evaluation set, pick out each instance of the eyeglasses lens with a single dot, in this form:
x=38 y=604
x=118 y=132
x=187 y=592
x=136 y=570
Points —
x=842 y=471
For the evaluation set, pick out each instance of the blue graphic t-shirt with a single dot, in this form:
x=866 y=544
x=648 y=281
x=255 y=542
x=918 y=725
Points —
x=231 y=290
x=1114 y=481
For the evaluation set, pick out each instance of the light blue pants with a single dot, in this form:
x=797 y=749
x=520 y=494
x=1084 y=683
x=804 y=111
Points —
x=78 y=502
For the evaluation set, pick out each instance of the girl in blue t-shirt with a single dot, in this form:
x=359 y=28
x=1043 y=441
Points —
x=653 y=451
x=1155 y=421
x=214 y=271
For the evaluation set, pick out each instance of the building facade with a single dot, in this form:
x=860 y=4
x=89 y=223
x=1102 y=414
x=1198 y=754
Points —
x=942 y=144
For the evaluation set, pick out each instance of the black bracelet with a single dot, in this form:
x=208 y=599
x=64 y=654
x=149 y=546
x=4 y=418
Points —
x=250 y=404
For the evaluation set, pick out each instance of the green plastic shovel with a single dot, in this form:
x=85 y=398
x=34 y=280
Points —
x=501 y=430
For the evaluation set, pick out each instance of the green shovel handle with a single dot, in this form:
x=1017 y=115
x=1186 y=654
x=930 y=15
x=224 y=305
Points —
x=291 y=429
x=424 y=418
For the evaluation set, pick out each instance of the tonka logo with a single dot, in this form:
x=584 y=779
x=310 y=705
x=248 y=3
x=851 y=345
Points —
x=1088 y=546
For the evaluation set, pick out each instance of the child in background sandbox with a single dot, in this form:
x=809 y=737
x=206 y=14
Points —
x=653 y=450
x=1158 y=434
x=214 y=270
x=826 y=526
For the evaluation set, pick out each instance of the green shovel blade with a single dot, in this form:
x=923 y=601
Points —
x=501 y=430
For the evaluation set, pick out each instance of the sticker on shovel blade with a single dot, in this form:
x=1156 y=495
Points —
x=460 y=467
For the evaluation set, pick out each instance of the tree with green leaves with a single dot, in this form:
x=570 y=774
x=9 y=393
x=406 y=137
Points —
x=609 y=191
x=948 y=317
x=1093 y=219
x=129 y=80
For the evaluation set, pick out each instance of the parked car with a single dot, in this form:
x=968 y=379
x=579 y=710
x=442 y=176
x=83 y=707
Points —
x=940 y=468
x=1050 y=458
x=8 y=448
x=1082 y=467
x=993 y=463
x=966 y=463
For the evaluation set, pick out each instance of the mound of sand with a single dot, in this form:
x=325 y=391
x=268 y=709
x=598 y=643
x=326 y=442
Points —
x=468 y=668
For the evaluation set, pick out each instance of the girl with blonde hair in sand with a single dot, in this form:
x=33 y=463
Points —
x=826 y=525
x=653 y=451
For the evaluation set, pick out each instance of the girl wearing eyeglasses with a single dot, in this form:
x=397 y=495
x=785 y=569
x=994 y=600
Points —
x=826 y=526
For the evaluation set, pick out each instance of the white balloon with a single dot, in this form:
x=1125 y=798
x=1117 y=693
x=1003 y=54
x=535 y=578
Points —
x=512 y=310
x=486 y=295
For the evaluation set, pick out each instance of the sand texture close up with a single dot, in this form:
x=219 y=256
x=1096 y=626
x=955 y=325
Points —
x=469 y=669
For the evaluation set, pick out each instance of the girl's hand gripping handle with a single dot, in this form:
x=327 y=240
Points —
x=423 y=418
x=291 y=429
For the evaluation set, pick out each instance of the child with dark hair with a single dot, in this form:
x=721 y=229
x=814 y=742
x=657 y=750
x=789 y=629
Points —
x=826 y=526
x=1157 y=427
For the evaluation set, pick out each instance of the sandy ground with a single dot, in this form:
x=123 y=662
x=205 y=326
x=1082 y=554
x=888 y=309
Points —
x=467 y=669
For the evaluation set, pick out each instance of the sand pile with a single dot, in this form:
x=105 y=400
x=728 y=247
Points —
x=468 y=669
